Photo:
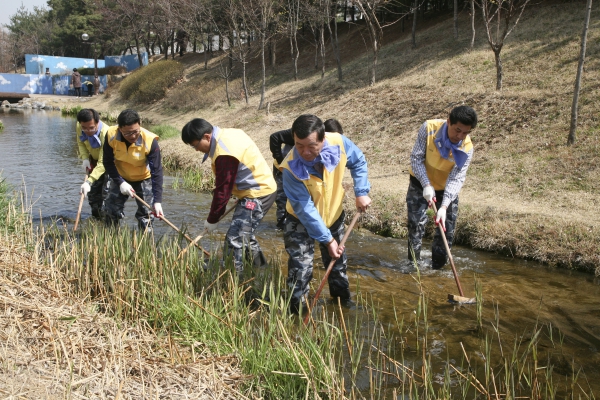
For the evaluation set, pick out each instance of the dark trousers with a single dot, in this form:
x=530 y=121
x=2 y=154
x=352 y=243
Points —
x=78 y=91
x=114 y=204
x=301 y=249
x=417 y=218
x=281 y=200
x=97 y=194
x=240 y=240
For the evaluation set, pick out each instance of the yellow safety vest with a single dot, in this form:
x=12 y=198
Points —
x=85 y=151
x=439 y=168
x=254 y=177
x=131 y=162
x=328 y=193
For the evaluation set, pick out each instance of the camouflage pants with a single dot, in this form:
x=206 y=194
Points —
x=97 y=194
x=114 y=204
x=281 y=199
x=240 y=241
x=417 y=218
x=301 y=249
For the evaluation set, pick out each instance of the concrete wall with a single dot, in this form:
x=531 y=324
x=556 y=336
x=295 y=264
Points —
x=130 y=61
x=37 y=64
x=42 y=84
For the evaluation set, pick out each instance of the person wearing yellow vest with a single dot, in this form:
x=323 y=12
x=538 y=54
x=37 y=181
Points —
x=91 y=133
x=240 y=170
x=133 y=162
x=313 y=172
x=280 y=143
x=438 y=169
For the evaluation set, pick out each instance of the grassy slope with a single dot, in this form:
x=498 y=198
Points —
x=527 y=194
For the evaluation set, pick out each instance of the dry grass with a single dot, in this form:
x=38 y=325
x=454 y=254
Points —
x=522 y=169
x=54 y=346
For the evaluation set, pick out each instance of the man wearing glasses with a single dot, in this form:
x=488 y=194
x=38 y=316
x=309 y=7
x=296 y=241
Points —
x=438 y=168
x=240 y=169
x=133 y=162
x=91 y=133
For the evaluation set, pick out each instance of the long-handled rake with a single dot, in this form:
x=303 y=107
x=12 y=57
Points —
x=330 y=267
x=80 y=205
x=452 y=297
x=171 y=225
x=197 y=238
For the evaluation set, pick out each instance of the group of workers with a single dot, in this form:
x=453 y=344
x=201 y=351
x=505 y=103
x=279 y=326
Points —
x=305 y=182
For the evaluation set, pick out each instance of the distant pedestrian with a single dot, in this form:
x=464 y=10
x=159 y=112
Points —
x=96 y=85
x=438 y=168
x=76 y=81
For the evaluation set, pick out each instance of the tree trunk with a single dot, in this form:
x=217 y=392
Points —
x=455 y=19
x=227 y=86
x=586 y=24
x=244 y=85
x=498 y=68
x=173 y=44
x=206 y=52
x=263 y=65
x=335 y=44
x=322 y=47
x=137 y=48
x=472 y=23
x=414 y=27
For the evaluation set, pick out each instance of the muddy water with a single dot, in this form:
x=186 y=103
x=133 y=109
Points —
x=37 y=149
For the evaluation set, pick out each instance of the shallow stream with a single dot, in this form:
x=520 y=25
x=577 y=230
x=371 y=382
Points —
x=38 y=155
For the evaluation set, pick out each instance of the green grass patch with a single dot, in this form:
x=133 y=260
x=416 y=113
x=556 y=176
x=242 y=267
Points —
x=150 y=83
x=164 y=131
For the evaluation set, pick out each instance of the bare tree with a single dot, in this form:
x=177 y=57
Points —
x=266 y=10
x=498 y=16
x=586 y=24
x=332 y=16
x=293 y=14
x=472 y=23
x=415 y=9
x=455 y=19
x=369 y=10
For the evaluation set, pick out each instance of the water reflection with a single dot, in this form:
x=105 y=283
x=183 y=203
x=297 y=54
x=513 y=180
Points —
x=37 y=149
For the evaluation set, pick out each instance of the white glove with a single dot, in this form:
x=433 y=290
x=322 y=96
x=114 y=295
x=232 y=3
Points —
x=429 y=193
x=86 y=166
x=210 y=228
x=440 y=218
x=158 y=210
x=126 y=189
x=85 y=188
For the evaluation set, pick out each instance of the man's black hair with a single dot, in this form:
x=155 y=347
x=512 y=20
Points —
x=195 y=130
x=128 y=117
x=333 y=125
x=306 y=124
x=87 y=114
x=463 y=114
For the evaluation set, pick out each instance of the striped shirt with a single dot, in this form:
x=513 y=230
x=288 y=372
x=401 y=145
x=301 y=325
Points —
x=456 y=178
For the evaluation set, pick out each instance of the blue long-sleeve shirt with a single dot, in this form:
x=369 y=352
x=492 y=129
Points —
x=302 y=203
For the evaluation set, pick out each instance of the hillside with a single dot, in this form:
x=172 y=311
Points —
x=527 y=194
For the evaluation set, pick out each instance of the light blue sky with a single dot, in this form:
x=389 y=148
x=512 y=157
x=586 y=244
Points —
x=9 y=7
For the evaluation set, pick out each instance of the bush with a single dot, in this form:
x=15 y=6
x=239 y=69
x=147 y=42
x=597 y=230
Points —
x=150 y=83
x=164 y=131
x=112 y=70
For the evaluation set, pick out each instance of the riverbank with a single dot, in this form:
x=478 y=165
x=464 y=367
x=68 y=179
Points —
x=527 y=194
x=56 y=344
